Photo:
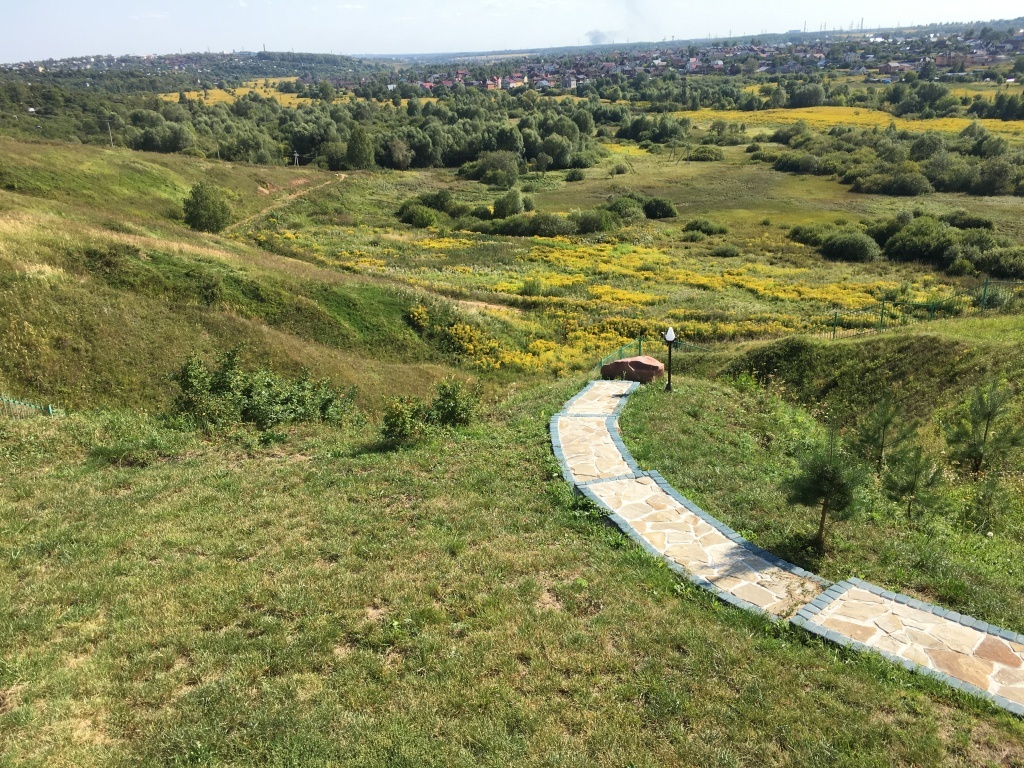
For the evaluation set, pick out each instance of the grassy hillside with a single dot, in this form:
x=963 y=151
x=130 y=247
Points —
x=105 y=291
x=317 y=596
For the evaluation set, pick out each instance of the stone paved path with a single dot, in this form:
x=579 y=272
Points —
x=966 y=653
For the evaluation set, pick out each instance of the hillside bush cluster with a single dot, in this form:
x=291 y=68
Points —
x=215 y=397
x=406 y=419
x=957 y=242
x=513 y=214
x=901 y=163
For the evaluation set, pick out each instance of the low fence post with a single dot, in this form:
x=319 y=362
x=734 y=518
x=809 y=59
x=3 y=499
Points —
x=881 y=317
x=835 y=324
x=639 y=346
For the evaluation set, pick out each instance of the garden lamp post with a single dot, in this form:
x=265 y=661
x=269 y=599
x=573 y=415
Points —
x=670 y=339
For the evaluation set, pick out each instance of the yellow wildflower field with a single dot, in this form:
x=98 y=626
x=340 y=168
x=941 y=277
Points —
x=826 y=117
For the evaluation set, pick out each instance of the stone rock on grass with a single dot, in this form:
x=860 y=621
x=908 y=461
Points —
x=643 y=369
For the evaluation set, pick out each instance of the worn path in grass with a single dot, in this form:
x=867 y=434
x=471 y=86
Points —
x=281 y=203
x=966 y=653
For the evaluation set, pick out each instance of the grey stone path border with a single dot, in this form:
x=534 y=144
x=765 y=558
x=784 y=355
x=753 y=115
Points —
x=805 y=617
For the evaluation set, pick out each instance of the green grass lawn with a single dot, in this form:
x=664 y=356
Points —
x=325 y=603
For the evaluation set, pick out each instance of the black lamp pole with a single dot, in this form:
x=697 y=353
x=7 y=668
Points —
x=670 y=339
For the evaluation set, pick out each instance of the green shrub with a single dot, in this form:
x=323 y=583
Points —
x=659 y=208
x=705 y=226
x=406 y=419
x=417 y=215
x=509 y=204
x=965 y=220
x=925 y=239
x=206 y=209
x=481 y=212
x=595 y=220
x=896 y=184
x=528 y=203
x=850 y=245
x=1002 y=262
x=706 y=153
x=693 y=237
x=403 y=421
x=620 y=169
x=628 y=209
x=210 y=398
x=752 y=148
x=725 y=250
x=454 y=405
x=808 y=234
x=441 y=200
x=575 y=174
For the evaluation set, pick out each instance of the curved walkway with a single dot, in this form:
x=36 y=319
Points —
x=966 y=653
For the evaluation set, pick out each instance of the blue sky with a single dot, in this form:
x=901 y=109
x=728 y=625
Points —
x=60 y=28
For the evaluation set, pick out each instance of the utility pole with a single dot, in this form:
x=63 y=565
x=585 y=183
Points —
x=110 y=134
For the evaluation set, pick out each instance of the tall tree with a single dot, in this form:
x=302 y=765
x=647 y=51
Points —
x=359 y=153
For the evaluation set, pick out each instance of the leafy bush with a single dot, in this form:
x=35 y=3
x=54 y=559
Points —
x=628 y=209
x=620 y=169
x=509 y=204
x=659 y=208
x=693 y=237
x=808 y=234
x=896 y=184
x=417 y=215
x=481 y=212
x=705 y=226
x=454 y=405
x=595 y=220
x=211 y=398
x=925 y=239
x=206 y=209
x=752 y=148
x=964 y=220
x=403 y=421
x=575 y=174
x=706 y=153
x=850 y=245
x=1002 y=262
x=797 y=162
x=406 y=419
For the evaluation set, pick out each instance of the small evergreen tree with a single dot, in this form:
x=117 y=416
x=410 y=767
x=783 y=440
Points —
x=827 y=476
x=879 y=433
x=913 y=471
x=980 y=435
x=206 y=209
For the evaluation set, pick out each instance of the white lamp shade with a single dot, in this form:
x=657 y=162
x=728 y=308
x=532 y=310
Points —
x=670 y=335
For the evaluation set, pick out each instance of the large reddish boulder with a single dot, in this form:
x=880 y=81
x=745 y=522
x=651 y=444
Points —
x=642 y=369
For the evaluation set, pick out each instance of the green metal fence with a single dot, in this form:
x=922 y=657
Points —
x=995 y=296
x=17 y=409
x=991 y=296
x=637 y=348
